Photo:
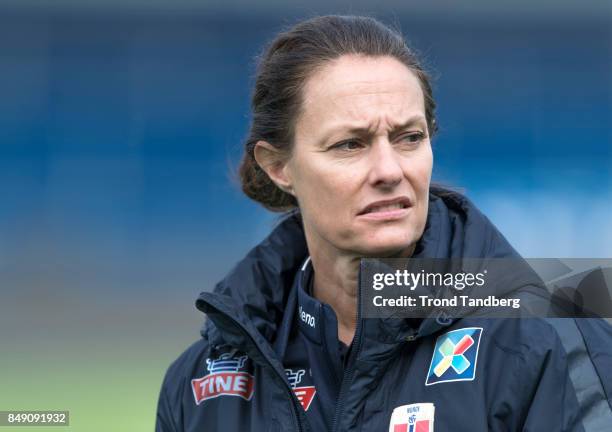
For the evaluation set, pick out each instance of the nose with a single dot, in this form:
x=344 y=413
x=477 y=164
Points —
x=385 y=168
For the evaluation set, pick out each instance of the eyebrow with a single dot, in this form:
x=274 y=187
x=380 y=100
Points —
x=367 y=130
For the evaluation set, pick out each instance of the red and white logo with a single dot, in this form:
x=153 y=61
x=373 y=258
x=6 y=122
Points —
x=418 y=417
x=304 y=394
x=224 y=379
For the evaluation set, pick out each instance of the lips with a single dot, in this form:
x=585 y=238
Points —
x=386 y=206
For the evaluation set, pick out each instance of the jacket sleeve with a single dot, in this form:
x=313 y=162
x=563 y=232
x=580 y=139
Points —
x=553 y=405
x=588 y=344
x=597 y=336
x=170 y=408
x=163 y=421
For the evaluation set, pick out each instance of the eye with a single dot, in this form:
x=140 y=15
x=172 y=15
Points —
x=347 y=145
x=412 y=137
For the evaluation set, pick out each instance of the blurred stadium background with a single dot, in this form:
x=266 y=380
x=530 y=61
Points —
x=121 y=122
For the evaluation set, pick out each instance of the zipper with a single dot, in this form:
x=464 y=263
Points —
x=347 y=376
x=245 y=331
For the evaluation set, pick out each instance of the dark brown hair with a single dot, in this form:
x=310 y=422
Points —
x=286 y=64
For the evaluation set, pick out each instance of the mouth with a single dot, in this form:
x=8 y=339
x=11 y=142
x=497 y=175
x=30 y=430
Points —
x=394 y=207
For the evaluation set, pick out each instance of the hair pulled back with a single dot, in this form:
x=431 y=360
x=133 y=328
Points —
x=286 y=64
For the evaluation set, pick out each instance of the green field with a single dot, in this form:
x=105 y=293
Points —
x=106 y=372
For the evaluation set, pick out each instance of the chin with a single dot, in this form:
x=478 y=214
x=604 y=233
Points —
x=386 y=248
x=386 y=251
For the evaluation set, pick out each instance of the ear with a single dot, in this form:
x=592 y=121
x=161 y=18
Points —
x=275 y=164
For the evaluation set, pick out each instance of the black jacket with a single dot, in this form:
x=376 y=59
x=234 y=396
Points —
x=528 y=374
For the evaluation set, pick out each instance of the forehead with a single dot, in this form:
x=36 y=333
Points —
x=353 y=87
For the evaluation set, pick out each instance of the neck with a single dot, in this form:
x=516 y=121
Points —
x=335 y=282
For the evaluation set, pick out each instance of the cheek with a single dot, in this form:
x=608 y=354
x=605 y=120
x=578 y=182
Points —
x=419 y=176
x=325 y=203
x=328 y=198
x=323 y=185
x=418 y=172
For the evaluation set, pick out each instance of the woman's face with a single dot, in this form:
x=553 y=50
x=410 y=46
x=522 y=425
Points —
x=361 y=162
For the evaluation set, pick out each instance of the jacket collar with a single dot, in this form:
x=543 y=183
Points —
x=257 y=290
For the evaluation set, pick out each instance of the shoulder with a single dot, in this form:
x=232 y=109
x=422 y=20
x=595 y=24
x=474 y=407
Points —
x=187 y=365
x=187 y=361
x=525 y=345
x=179 y=373
x=175 y=386
x=456 y=227
x=527 y=337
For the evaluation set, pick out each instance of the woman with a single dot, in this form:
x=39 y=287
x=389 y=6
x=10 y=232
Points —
x=343 y=117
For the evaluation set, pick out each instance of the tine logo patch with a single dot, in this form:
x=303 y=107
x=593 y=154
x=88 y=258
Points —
x=304 y=394
x=225 y=378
